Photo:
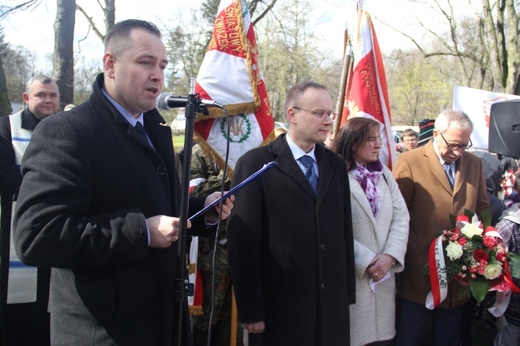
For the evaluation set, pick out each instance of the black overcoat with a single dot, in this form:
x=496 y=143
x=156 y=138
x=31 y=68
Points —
x=291 y=252
x=90 y=179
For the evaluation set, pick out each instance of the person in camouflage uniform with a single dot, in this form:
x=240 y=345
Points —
x=204 y=167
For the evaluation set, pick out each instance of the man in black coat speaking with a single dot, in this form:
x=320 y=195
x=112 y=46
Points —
x=99 y=203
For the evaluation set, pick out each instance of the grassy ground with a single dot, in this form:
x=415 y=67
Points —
x=178 y=142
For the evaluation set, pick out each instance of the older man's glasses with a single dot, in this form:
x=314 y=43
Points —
x=320 y=114
x=456 y=146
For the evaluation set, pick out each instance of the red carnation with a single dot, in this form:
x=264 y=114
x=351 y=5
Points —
x=462 y=241
x=489 y=242
x=454 y=237
x=462 y=218
x=489 y=229
x=501 y=256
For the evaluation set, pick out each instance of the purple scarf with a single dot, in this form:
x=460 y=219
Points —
x=368 y=176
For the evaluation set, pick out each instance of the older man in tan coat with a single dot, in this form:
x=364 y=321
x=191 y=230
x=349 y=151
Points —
x=424 y=176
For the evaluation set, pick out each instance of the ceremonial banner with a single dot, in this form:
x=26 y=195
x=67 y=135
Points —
x=476 y=104
x=195 y=301
x=230 y=74
x=367 y=92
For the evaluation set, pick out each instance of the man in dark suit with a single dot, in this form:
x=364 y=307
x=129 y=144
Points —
x=99 y=200
x=290 y=247
x=436 y=180
x=24 y=291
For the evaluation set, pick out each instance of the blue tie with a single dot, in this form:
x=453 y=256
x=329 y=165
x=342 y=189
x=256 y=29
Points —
x=139 y=127
x=311 y=176
x=449 y=173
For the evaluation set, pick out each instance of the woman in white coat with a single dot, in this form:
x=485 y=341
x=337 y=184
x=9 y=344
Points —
x=380 y=222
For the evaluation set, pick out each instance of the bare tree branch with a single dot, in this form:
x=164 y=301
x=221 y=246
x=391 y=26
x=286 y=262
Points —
x=6 y=10
x=91 y=22
x=264 y=13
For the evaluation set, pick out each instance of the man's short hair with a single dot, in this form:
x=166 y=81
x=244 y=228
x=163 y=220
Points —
x=293 y=95
x=460 y=119
x=117 y=39
x=409 y=133
x=38 y=78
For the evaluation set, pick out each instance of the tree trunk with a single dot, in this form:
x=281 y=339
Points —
x=63 y=57
x=5 y=104
x=513 y=51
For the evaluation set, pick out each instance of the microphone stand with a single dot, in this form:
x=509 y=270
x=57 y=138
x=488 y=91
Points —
x=182 y=282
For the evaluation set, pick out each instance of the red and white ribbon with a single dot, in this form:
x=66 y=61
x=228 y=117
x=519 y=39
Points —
x=438 y=278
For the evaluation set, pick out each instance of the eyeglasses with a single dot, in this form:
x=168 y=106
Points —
x=318 y=113
x=453 y=146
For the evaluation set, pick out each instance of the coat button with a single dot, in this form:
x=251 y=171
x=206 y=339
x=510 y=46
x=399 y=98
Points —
x=322 y=247
x=322 y=286
x=161 y=171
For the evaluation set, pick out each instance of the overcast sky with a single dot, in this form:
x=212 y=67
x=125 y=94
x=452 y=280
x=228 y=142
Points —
x=34 y=29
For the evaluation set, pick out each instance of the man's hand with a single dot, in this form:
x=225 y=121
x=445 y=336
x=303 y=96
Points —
x=212 y=215
x=164 y=230
x=254 y=328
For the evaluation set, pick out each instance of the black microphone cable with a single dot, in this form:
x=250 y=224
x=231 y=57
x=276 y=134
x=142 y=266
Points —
x=213 y=260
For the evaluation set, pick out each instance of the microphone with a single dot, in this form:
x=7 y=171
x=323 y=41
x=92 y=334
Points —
x=167 y=101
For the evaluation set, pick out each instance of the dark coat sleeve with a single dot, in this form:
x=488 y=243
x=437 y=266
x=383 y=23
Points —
x=60 y=226
x=10 y=175
x=246 y=226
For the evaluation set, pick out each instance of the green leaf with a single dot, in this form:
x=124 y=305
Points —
x=453 y=220
x=485 y=217
x=479 y=288
x=514 y=264
x=469 y=214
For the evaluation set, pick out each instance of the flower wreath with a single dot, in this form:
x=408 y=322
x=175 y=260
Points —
x=474 y=254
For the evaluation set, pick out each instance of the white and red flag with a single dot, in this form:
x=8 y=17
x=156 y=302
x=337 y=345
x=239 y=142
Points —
x=367 y=92
x=194 y=276
x=230 y=74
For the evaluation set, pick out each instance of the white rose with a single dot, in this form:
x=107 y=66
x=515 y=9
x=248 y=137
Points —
x=454 y=250
x=493 y=270
x=470 y=230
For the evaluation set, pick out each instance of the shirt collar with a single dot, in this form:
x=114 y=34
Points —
x=129 y=117
x=298 y=152
x=439 y=156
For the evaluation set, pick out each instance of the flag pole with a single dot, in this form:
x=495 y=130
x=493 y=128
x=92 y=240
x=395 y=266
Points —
x=234 y=320
x=345 y=72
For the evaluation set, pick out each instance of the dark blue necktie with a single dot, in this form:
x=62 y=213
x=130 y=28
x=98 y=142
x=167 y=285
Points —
x=449 y=173
x=139 y=127
x=310 y=174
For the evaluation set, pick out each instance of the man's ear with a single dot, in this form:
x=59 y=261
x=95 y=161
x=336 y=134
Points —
x=109 y=61
x=291 y=115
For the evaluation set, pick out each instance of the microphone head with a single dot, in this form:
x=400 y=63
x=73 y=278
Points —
x=162 y=101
